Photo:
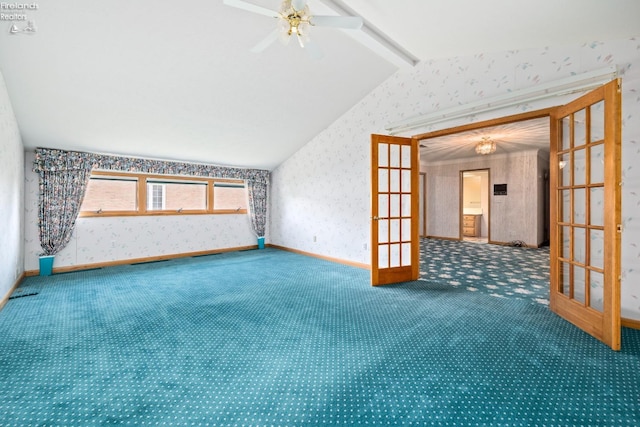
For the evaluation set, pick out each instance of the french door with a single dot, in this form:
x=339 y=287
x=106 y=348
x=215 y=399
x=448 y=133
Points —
x=395 y=245
x=585 y=203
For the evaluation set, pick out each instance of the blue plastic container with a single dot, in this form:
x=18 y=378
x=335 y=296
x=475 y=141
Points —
x=46 y=265
x=260 y=242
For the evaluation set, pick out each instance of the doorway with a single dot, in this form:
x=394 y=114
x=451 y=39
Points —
x=474 y=209
x=585 y=208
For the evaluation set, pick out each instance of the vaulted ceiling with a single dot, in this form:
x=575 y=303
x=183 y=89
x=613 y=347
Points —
x=177 y=80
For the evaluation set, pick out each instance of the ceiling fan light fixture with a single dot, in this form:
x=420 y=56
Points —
x=486 y=146
x=284 y=29
x=295 y=19
x=304 y=28
x=294 y=22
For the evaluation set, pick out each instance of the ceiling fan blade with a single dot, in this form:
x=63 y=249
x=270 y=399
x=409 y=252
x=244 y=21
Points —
x=346 y=22
x=266 y=42
x=298 y=4
x=252 y=8
x=314 y=51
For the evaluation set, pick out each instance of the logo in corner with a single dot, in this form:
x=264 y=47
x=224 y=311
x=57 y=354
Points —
x=18 y=15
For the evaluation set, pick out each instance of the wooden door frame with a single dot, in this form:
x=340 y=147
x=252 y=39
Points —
x=423 y=178
x=530 y=115
x=461 y=202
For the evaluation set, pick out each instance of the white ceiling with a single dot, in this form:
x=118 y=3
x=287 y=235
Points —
x=509 y=138
x=176 y=80
x=442 y=29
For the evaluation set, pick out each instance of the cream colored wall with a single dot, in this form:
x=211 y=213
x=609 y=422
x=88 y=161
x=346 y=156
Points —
x=513 y=217
x=471 y=192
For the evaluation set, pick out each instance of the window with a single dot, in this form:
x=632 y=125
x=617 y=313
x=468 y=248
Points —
x=155 y=197
x=229 y=196
x=179 y=195
x=111 y=194
x=121 y=194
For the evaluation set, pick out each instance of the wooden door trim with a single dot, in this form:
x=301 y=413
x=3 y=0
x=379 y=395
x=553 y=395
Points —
x=415 y=209
x=461 y=205
x=514 y=118
x=423 y=195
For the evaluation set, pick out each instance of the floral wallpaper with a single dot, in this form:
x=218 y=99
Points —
x=320 y=195
x=98 y=240
x=11 y=195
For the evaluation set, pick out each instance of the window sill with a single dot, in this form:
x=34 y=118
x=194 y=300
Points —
x=160 y=213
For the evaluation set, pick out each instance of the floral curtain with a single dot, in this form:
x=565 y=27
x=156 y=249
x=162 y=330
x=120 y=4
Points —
x=257 y=206
x=64 y=176
x=61 y=192
x=48 y=159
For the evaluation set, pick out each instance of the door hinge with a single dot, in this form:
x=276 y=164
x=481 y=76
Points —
x=619 y=228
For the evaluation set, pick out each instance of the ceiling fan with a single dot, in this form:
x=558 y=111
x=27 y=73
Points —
x=294 y=19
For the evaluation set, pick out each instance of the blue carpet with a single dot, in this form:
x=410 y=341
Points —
x=499 y=271
x=270 y=338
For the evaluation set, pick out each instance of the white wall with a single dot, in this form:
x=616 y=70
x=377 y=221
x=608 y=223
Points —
x=11 y=196
x=323 y=189
x=98 y=240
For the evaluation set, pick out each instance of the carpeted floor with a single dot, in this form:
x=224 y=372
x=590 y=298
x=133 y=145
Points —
x=270 y=338
x=499 y=271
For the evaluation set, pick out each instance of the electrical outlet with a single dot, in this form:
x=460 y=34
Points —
x=314 y=239
x=365 y=246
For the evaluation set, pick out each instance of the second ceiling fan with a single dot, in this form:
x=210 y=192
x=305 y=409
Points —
x=294 y=19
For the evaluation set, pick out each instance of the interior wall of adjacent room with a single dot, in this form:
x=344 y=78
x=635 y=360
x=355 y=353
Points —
x=108 y=239
x=323 y=190
x=513 y=216
x=11 y=196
